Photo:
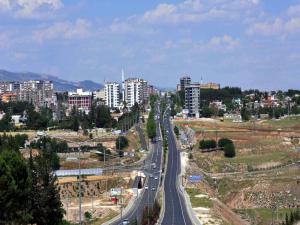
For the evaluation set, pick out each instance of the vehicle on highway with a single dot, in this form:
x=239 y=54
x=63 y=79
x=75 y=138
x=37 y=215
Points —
x=156 y=178
x=153 y=165
x=153 y=189
x=125 y=222
x=151 y=176
x=146 y=187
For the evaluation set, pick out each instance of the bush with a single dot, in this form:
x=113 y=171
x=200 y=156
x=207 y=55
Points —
x=229 y=150
x=224 y=141
x=121 y=142
x=205 y=144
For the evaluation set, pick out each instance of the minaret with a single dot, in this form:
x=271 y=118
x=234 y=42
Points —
x=123 y=86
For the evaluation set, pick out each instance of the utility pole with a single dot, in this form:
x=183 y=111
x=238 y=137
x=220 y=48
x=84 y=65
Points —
x=79 y=188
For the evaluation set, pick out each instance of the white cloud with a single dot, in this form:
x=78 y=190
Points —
x=225 y=42
x=120 y=27
x=4 y=41
x=277 y=27
x=197 y=11
x=294 y=10
x=66 y=30
x=4 y=5
x=28 y=8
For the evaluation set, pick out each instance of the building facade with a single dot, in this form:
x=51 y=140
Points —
x=184 y=81
x=192 y=99
x=37 y=92
x=210 y=86
x=112 y=95
x=80 y=100
x=136 y=90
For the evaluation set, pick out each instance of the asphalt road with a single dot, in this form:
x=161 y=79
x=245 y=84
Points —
x=147 y=195
x=175 y=208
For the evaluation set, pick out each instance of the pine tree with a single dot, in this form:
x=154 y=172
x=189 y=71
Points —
x=46 y=205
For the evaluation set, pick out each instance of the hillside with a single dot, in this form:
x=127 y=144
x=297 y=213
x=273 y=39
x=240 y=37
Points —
x=59 y=84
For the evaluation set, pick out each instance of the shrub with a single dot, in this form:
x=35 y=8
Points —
x=205 y=144
x=224 y=141
x=121 y=142
x=229 y=150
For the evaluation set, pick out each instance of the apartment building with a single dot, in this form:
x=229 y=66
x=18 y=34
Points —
x=192 y=99
x=112 y=95
x=210 y=85
x=136 y=90
x=82 y=100
x=37 y=92
x=184 y=81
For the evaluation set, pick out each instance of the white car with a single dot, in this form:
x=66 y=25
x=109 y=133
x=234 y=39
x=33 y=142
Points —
x=146 y=187
x=156 y=178
x=125 y=222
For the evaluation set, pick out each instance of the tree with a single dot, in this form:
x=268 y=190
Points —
x=14 y=189
x=206 y=144
x=229 y=150
x=46 y=206
x=206 y=112
x=88 y=216
x=245 y=114
x=224 y=141
x=5 y=123
x=103 y=118
x=121 y=142
x=176 y=131
x=75 y=123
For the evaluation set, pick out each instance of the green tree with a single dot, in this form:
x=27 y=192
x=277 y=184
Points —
x=229 y=150
x=245 y=114
x=46 y=206
x=103 y=118
x=14 y=189
x=176 y=131
x=121 y=142
x=5 y=123
x=206 y=112
x=224 y=141
x=206 y=144
x=88 y=216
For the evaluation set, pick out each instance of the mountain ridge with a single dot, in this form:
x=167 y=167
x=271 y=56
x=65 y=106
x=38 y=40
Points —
x=58 y=83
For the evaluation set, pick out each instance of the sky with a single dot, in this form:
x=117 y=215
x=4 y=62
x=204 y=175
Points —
x=245 y=43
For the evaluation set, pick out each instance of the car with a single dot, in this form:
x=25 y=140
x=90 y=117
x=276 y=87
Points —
x=125 y=222
x=151 y=176
x=146 y=187
x=153 y=189
x=156 y=178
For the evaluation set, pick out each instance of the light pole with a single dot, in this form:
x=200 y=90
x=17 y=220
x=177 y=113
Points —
x=79 y=188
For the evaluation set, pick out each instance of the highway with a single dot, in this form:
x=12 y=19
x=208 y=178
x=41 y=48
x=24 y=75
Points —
x=175 y=209
x=147 y=196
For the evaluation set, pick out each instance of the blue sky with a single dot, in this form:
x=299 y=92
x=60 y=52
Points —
x=247 y=43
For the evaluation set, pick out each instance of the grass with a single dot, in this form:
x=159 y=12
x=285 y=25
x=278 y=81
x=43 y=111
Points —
x=204 y=202
x=284 y=123
x=98 y=221
x=262 y=216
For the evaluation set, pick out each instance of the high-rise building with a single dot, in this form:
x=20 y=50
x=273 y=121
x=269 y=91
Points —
x=38 y=92
x=184 y=81
x=112 y=94
x=192 y=99
x=136 y=91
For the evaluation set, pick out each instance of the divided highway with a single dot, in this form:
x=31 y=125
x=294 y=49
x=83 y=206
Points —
x=175 y=209
x=153 y=173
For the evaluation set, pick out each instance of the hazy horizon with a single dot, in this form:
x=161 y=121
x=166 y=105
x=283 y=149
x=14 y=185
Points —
x=245 y=43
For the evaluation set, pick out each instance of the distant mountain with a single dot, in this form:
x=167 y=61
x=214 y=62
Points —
x=59 y=84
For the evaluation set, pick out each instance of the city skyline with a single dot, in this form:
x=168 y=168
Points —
x=246 y=43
